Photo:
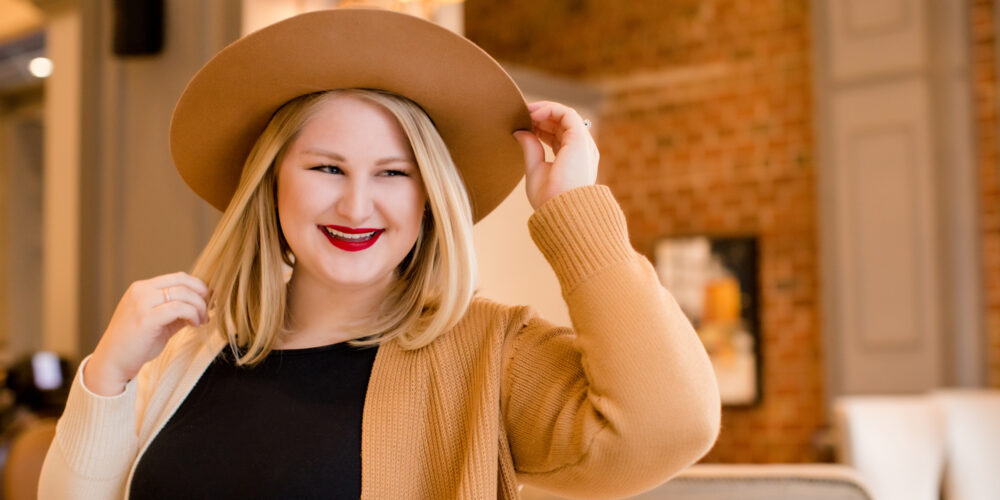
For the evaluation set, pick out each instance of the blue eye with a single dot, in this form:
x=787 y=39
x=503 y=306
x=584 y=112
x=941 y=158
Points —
x=328 y=169
x=395 y=173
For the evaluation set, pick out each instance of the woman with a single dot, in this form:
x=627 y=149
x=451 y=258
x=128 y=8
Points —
x=231 y=383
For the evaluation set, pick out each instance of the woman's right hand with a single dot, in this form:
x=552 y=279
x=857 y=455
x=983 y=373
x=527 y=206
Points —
x=150 y=312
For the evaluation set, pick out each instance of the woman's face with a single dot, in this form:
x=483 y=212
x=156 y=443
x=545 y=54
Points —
x=350 y=196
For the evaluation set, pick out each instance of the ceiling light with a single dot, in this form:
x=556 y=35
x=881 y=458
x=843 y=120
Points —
x=41 y=67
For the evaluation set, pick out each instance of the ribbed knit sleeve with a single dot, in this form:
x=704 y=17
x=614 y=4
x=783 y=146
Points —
x=94 y=445
x=627 y=397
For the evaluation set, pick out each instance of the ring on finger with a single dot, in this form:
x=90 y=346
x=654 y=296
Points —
x=587 y=124
x=166 y=295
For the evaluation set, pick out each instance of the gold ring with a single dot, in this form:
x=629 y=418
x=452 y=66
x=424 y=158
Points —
x=166 y=295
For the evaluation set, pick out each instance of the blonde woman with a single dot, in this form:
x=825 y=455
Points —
x=358 y=147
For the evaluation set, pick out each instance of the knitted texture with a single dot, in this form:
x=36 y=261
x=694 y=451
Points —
x=611 y=407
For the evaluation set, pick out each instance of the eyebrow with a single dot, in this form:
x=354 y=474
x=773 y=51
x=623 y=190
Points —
x=339 y=158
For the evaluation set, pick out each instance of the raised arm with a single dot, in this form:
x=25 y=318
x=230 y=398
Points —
x=97 y=438
x=627 y=397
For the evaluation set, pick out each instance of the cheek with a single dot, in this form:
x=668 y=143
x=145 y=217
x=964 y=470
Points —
x=414 y=205
x=292 y=207
x=404 y=210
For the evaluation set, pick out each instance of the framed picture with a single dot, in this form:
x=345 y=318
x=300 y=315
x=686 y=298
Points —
x=715 y=281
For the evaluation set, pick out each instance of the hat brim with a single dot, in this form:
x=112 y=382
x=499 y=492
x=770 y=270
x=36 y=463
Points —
x=473 y=102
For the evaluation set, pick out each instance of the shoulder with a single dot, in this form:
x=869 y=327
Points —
x=484 y=312
x=488 y=321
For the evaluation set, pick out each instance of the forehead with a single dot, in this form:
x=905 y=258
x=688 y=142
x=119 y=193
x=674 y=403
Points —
x=347 y=118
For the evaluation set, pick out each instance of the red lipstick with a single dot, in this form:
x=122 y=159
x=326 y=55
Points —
x=337 y=236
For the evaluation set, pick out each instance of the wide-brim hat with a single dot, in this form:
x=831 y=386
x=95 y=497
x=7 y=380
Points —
x=472 y=101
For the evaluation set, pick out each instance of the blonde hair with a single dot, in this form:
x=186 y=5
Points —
x=242 y=262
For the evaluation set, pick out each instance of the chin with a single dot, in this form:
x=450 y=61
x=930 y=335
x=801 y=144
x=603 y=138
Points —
x=340 y=280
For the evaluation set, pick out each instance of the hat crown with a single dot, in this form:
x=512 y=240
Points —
x=472 y=101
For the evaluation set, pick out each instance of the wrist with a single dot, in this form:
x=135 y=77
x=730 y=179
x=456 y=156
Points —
x=100 y=378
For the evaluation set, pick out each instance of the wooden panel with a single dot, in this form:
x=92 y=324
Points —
x=875 y=37
x=61 y=267
x=899 y=244
x=881 y=189
x=21 y=146
x=141 y=218
x=161 y=223
x=886 y=288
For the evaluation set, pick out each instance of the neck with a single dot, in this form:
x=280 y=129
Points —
x=318 y=314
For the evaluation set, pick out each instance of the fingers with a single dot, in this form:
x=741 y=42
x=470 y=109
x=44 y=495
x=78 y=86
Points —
x=556 y=124
x=548 y=138
x=169 y=312
x=576 y=156
x=149 y=313
x=182 y=287
x=534 y=154
x=555 y=118
x=180 y=278
x=147 y=295
x=182 y=293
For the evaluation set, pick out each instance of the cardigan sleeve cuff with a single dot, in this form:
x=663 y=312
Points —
x=97 y=434
x=581 y=232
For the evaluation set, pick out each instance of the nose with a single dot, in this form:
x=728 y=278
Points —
x=355 y=204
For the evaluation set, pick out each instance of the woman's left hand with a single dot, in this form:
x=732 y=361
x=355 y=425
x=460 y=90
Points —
x=576 y=155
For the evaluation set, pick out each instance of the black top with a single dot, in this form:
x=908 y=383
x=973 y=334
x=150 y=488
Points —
x=289 y=427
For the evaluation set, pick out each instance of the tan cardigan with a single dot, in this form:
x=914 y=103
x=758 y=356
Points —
x=611 y=408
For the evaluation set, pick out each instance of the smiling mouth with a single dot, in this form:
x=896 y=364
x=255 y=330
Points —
x=349 y=239
x=356 y=237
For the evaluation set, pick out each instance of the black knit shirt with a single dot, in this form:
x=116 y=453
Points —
x=289 y=427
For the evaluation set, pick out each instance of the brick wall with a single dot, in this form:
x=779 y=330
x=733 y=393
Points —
x=984 y=96
x=717 y=140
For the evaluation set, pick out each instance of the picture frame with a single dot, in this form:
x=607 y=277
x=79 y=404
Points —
x=715 y=279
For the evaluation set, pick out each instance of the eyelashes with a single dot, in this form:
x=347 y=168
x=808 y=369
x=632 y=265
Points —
x=333 y=169
x=328 y=169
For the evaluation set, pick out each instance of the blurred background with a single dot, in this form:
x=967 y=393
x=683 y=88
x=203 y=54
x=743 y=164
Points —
x=851 y=145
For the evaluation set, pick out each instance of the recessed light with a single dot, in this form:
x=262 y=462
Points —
x=41 y=67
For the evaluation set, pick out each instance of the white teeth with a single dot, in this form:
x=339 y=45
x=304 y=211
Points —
x=349 y=237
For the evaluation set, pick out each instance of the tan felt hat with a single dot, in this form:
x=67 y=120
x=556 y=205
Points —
x=471 y=99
